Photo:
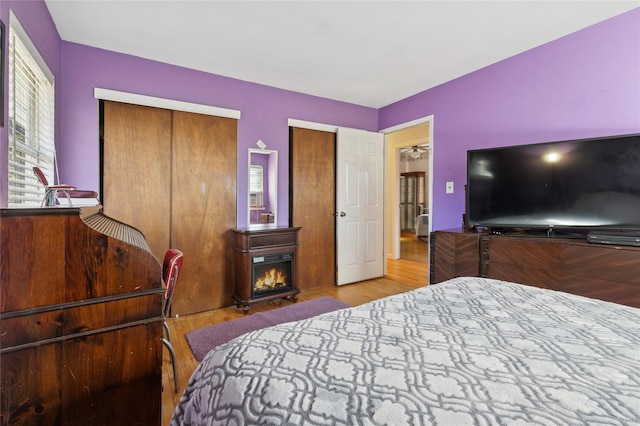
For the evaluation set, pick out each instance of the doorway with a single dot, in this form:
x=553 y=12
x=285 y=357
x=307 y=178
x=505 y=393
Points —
x=407 y=226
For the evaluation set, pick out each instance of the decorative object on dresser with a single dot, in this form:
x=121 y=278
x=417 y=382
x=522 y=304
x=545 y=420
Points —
x=607 y=272
x=81 y=320
x=265 y=264
x=615 y=238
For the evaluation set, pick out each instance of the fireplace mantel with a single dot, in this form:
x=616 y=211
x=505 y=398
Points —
x=265 y=248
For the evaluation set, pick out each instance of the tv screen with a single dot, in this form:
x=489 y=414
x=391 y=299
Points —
x=571 y=185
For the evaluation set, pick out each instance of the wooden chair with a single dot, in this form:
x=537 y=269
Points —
x=51 y=191
x=170 y=271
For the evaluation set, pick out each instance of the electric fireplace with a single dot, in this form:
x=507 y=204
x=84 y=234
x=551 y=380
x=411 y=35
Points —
x=265 y=265
x=271 y=274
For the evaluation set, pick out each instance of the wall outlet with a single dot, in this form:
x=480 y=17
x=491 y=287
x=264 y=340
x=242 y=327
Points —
x=449 y=187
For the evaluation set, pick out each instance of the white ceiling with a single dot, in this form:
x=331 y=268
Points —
x=369 y=53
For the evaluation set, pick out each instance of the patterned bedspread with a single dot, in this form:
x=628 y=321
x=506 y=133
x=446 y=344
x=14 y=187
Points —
x=470 y=351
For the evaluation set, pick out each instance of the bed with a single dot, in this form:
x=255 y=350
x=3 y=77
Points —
x=469 y=351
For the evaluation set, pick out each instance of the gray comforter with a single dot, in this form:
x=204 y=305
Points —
x=470 y=351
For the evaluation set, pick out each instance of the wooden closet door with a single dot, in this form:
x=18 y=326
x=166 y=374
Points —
x=136 y=178
x=203 y=209
x=313 y=198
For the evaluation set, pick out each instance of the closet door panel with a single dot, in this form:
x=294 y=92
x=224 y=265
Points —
x=203 y=209
x=136 y=170
x=313 y=198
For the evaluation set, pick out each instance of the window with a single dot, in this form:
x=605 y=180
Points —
x=31 y=120
x=256 y=187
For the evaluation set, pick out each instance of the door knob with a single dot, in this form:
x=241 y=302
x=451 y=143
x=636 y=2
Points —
x=342 y=214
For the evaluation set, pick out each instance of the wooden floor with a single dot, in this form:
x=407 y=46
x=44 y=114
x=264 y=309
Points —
x=402 y=275
x=412 y=248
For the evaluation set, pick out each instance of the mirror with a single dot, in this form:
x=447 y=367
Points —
x=263 y=187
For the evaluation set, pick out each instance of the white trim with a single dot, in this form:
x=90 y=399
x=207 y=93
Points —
x=152 y=101
x=427 y=119
x=272 y=191
x=302 y=124
x=392 y=153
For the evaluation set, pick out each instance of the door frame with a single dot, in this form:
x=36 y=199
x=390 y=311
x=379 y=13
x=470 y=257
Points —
x=164 y=103
x=392 y=183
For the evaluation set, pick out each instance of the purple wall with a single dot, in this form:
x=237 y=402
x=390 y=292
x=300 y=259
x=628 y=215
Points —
x=586 y=84
x=264 y=111
x=583 y=85
x=37 y=23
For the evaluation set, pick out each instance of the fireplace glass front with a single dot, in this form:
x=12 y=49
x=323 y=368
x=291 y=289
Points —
x=272 y=274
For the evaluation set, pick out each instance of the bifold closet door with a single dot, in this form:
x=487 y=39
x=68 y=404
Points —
x=136 y=178
x=203 y=209
x=313 y=198
x=172 y=175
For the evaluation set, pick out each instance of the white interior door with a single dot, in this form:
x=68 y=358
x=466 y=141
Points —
x=360 y=206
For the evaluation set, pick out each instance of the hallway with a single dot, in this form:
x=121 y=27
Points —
x=413 y=249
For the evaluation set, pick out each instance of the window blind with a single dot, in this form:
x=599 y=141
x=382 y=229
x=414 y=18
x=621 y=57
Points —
x=256 y=186
x=31 y=125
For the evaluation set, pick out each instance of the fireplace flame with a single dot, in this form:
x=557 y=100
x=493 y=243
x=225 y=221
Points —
x=270 y=280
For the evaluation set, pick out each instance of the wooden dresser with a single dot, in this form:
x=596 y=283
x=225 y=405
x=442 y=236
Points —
x=80 y=320
x=599 y=271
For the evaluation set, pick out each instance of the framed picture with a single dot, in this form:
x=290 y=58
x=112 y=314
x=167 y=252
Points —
x=2 y=53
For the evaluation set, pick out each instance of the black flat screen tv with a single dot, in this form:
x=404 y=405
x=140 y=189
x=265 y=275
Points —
x=574 y=186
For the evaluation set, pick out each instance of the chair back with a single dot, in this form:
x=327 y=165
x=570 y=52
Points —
x=40 y=175
x=170 y=271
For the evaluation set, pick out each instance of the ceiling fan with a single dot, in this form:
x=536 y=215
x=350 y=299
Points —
x=415 y=151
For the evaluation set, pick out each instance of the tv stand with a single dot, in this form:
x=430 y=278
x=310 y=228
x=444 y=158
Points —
x=598 y=271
